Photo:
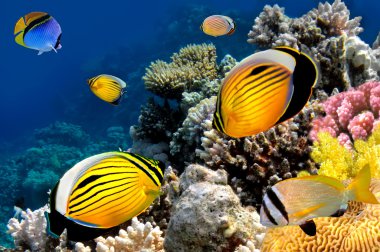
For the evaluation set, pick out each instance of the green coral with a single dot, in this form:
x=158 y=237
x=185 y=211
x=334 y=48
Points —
x=338 y=162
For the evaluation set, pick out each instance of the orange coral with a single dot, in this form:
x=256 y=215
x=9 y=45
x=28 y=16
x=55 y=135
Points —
x=357 y=230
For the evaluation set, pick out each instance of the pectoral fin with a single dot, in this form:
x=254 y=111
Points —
x=309 y=228
x=340 y=211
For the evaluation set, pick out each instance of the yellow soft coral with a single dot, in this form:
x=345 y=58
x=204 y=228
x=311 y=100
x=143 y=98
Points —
x=368 y=152
x=357 y=230
x=338 y=162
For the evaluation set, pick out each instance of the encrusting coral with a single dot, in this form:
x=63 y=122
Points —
x=325 y=33
x=192 y=63
x=343 y=163
x=350 y=115
x=208 y=216
x=357 y=230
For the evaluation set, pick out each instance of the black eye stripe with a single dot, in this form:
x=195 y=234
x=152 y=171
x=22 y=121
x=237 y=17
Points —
x=277 y=203
x=267 y=213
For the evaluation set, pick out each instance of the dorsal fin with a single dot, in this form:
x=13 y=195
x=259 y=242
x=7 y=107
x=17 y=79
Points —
x=304 y=77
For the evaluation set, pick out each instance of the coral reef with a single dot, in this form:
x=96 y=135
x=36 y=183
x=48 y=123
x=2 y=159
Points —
x=342 y=163
x=117 y=136
x=326 y=33
x=208 y=216
x=62 y=133
x=137 y=237
x=30 y=232
x=187 y=138
x=350 y=115
x=156 y=122
x=357 y=230
x=170 y=80
x=255 y=162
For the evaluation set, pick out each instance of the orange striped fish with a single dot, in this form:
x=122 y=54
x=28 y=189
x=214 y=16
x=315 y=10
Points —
x=218 y=25
x=263 y=90
x=297 y=201
x=108 y=88
x=101 y=192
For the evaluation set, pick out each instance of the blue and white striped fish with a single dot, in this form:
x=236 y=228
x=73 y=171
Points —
x=297 y=201
x=38 y=31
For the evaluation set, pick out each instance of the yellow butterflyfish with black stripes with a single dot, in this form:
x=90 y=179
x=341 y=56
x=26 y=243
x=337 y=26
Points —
x=101 y=192
x=263 y=90
x=297 y=201
x=107 y=87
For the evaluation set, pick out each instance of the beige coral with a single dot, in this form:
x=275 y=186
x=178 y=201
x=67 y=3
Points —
x=190 y=64
x=357 y=230
x=137 y=237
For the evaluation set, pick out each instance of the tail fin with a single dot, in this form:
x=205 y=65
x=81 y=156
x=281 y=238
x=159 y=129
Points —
x=359 y=187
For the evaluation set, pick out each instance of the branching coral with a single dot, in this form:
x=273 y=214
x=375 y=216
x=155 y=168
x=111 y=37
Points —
x=30 y=232
x=350 y=115
x=208 y=215
x=258 y=161
x=325 y=33
x=188 y=137
x=192 y=63
x=156 y=122
x=137 y=237
x=357 y=230
x=272 y=28
x=334 y=20
x=342 y=163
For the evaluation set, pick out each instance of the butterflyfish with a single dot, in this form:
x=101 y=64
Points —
x=297 y=201
x=101 y=192
x=218 y=25
x=38 y=31
x=108 y=88
x=263 y=90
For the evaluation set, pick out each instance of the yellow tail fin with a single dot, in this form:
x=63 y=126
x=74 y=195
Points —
x=359 y=187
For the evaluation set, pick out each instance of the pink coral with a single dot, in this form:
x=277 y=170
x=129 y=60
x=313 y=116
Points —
x=350 y=115
x=361 y=125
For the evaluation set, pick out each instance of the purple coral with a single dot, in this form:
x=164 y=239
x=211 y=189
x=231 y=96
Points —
x=350 y=115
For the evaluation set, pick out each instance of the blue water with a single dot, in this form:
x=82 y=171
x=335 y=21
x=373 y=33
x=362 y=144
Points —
x=117 y=37
x=38 y=90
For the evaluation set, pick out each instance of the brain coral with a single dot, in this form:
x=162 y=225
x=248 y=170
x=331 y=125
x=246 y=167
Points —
x=357 y=230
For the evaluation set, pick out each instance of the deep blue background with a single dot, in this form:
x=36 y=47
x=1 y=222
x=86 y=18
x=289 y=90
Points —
x=37 y=90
